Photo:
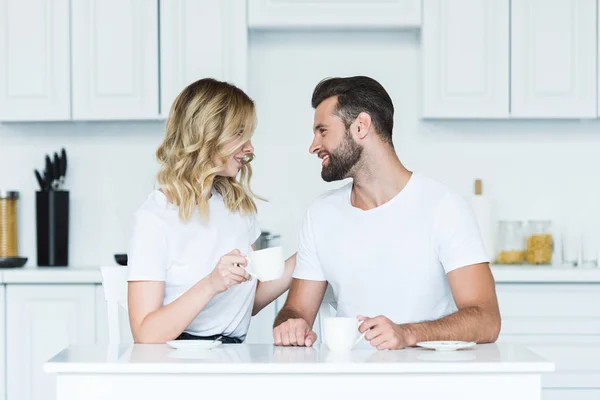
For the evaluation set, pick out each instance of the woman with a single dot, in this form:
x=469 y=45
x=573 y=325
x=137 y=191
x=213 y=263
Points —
x=186 y=265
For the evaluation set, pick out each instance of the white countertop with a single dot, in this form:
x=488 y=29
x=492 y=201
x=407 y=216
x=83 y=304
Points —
x=269 y=359
x=58 y=275
x=544 y=274
x=502 y=274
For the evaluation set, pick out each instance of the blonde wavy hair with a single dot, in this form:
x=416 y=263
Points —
x=204 y=118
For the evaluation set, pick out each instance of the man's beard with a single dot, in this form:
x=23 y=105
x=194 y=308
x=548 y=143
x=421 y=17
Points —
x=342 y=160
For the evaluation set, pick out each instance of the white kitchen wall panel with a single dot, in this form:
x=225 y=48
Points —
x=554 y=58
x=465 y=59
x=201 y=39
x=34 y=60
x=334 y=14
x=41 y=320
x=115 y=59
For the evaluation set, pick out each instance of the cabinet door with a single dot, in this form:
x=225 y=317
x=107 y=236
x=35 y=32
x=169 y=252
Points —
x=34 y=60
x=465 y=57
x=553 y=58
x=215 y=48
x=2 y=342
x=41 y=321
x=336 y=14
x=115 y=59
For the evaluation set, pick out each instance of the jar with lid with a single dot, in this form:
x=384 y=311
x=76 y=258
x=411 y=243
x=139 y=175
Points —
x=8 y=224
x=540 y=243
x=510 y=247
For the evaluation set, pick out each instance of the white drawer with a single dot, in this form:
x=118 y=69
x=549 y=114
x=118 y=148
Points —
x=549 y=300
x=577 y=358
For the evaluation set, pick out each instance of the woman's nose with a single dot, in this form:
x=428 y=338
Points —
x=248 y=148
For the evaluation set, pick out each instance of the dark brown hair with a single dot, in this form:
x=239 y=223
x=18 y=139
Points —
x=358 y=94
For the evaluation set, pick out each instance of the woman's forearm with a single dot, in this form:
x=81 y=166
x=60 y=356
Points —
x=169 y=321
x=266 y=292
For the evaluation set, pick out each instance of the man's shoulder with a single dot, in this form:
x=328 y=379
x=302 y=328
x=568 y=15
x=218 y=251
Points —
x=441 y=199
x=335 y=198
x=437 y=192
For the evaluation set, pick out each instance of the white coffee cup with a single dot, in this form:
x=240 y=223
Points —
x=341 y=333
x=266 y=264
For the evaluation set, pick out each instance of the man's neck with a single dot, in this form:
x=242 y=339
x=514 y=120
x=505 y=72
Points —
x=380 y=178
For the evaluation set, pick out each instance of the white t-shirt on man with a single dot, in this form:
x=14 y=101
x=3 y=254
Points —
x=181 y=254
x=391 y=260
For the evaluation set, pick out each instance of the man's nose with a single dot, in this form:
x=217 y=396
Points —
x=315 y=146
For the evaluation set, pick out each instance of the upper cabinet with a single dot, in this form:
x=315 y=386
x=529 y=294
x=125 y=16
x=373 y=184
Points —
x=291 y=14
x=115 y=59
x=465 y=46
x=92 y=60
x=548 y=59
x=553 y=58
x=34 y=60
x=216 y=47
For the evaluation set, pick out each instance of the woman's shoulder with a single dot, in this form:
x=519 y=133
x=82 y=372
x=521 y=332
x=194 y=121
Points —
x=155 y=206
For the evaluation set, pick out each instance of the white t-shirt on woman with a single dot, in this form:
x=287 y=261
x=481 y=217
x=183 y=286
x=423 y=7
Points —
x=165 y=249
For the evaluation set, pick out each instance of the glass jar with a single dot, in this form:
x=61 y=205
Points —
x=8 y=224
x=540 y=244
x=510 y=248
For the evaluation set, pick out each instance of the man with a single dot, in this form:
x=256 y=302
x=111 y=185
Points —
x=402 y=252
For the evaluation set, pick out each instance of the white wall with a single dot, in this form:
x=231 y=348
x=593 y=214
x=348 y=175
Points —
x=531 y=169
x=111 y=169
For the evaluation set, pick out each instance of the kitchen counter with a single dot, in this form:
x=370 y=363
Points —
x=491 y=371
x=58 y=275
x=269 y=359
x=502 y=274
x=544 y=274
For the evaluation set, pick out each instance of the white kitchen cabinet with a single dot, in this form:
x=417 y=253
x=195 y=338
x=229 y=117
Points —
x=561 y=322
x=465 y=59
x=2 y=342
x=41 y=320
x=554 y=59
x=115 y=59
x=34 y=60
x=201 y=39
x=334 y=14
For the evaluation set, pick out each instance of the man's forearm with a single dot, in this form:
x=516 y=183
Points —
x=284 y=315
x=473 y=324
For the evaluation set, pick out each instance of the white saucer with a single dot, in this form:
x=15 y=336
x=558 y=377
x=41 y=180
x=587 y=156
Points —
x=194 y=344
x=446 y=345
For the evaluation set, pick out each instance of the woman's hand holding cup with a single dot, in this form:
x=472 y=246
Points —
x=229 y=271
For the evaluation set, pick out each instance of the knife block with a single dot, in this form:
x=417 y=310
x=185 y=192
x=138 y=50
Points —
x=52 y=226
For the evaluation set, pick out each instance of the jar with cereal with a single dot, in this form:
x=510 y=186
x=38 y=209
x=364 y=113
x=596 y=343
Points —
x=511 y=243
x=540 y=244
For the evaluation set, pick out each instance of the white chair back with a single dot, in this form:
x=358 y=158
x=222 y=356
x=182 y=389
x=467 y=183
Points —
x=114 y=283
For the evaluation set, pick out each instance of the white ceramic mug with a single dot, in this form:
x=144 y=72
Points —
x=340 y=333
x=266 y=264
